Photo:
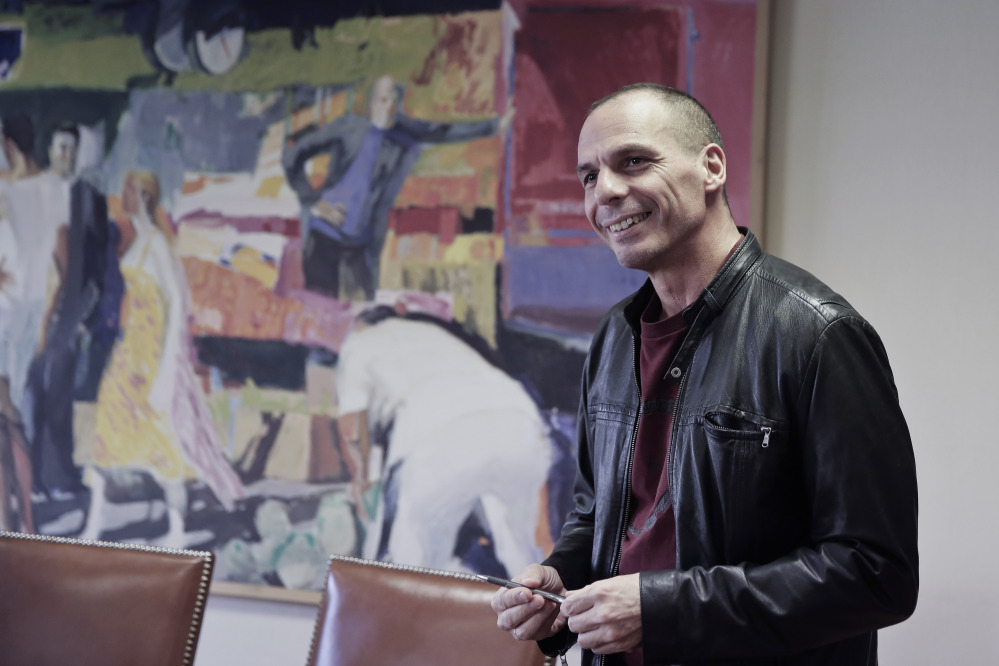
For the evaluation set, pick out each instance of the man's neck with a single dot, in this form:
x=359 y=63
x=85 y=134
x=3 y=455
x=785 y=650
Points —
x=681 y=284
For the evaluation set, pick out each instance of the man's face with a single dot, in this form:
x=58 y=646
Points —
x=62 y=154
x=644 y=192
x=382 y=110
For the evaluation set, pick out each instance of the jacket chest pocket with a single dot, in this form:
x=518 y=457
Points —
x=743 y=465
x=731 y=428
x=610 y=432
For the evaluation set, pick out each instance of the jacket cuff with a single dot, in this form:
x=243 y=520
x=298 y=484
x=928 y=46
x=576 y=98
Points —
x=660 y=619
x=558 y=644
x=572 y=577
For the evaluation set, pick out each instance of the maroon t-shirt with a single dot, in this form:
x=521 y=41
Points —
x=650 y=540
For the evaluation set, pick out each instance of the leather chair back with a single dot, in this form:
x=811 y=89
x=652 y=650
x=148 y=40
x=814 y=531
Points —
x=65 y=601
x=378 y=614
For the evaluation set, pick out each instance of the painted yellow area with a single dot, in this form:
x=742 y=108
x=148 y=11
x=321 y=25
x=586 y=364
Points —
x=270 y=186
x=474 y=247
x=247 y=260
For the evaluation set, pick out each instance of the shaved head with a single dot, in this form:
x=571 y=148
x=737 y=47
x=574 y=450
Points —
x=692 y=124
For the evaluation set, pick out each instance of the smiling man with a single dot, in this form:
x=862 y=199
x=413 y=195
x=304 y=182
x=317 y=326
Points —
x=746 y=489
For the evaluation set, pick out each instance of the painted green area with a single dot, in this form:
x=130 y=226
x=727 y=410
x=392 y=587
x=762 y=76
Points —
x=104 y=63
x=273 y=400
x=78 y=47
x=63 y=24
x=353 y=50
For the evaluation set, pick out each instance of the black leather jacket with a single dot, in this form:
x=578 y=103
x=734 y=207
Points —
x=791 y=473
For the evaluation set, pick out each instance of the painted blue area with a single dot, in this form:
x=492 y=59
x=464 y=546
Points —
x=571 y=278
x=570 y=233
x=11 y=43
x=562 y=473
x=508 y=145
x=692 y=38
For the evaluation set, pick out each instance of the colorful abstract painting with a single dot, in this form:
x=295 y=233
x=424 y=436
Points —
x=281 y=280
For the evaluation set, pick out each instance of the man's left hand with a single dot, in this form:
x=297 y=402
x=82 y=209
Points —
x=607 y=615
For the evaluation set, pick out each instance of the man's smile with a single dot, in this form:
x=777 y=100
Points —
x=628 y=222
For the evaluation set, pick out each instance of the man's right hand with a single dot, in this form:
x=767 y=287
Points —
x=529 y=617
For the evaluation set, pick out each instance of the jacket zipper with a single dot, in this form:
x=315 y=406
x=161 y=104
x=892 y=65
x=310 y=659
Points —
x=672 y=443
x=625 y=515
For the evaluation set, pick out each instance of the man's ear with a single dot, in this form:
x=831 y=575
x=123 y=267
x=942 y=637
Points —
x=715 y=171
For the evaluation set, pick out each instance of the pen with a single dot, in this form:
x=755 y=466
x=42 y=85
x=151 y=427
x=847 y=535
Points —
x=503 y=582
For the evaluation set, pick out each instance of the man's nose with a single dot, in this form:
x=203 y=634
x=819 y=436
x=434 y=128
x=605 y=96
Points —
x=610 y=186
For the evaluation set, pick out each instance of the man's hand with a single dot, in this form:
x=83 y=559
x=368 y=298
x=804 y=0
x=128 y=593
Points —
x=607 y=615
x=527 y=616
x=335 y=214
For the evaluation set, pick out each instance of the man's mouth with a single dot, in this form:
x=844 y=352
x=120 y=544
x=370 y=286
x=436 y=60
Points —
x=627 y=222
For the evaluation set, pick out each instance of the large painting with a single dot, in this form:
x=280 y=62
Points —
x=281 y=280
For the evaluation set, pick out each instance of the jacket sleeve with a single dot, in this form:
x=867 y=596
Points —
x=572 y=554
x=858 y=570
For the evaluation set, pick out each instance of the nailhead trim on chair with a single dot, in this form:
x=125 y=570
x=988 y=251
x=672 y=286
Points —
x=206 y=574
x=382 y=565
x=405 y=567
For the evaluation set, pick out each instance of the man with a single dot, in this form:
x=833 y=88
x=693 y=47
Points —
x=453 y=426
x=346 y=219
x=79 y=328
x=746 y=489
x=32 y=206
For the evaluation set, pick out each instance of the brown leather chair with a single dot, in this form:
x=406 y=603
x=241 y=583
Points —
x=65 y=601
x=378 y=614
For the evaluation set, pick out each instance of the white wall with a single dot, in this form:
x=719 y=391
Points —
x=884 y=142
x=883 y=145
x=243 y=632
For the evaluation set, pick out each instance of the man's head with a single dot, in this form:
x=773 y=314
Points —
x=383 y=103
x=18 y=134
x=63 y=149
x=694 y=126
x=652 y=168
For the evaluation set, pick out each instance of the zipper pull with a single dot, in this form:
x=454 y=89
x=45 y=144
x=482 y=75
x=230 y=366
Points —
x=562 y=657
x=766 y=435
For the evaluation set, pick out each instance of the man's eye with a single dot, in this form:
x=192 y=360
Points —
x=589 y=178
x=635 y=161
